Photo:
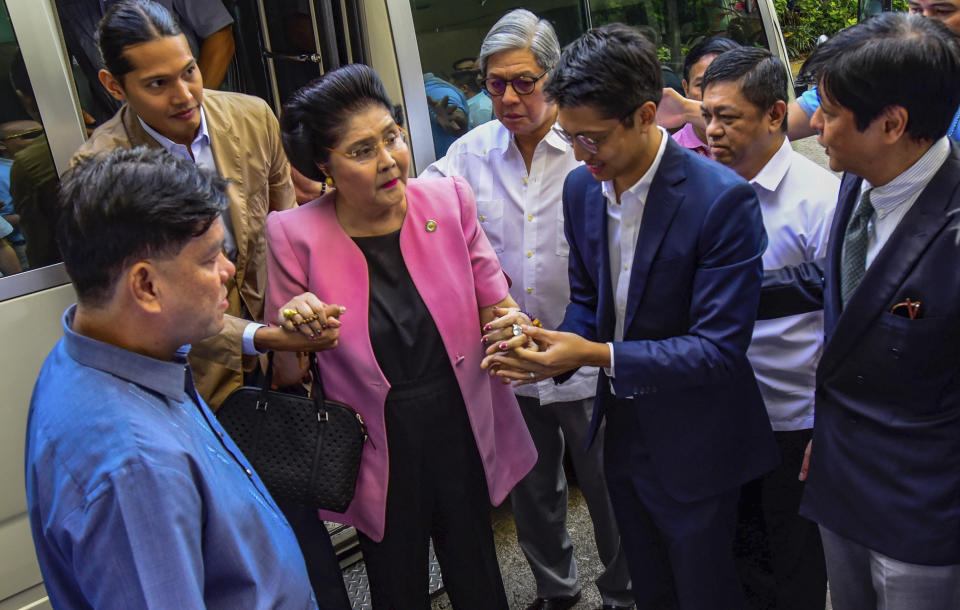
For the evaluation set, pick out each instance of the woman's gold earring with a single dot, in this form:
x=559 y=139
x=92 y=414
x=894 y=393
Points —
x=329 y=182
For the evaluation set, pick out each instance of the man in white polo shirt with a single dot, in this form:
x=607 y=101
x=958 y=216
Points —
x=745 y=107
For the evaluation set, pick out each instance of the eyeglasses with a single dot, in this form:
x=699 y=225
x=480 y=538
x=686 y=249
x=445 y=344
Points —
x=591 y=145
x=522 y=85
x=393 y=141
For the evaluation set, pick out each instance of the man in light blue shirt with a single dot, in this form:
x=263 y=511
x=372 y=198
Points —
x=137 y=498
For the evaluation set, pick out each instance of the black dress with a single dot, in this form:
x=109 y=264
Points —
x=437 y=488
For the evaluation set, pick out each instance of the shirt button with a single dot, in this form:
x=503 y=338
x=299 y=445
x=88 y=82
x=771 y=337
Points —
x=220 y=433
x=524 y=180
x=482 y=218
x=530 y=217
x=248 y=471
x=529 y=254
x=529 y=290
x=625 y=267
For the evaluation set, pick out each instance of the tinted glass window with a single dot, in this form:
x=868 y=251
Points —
x=28 y=177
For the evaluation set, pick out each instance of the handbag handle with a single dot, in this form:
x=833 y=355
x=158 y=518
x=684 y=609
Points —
x=317 y=393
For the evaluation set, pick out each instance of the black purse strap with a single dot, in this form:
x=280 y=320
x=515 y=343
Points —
x=316 y=393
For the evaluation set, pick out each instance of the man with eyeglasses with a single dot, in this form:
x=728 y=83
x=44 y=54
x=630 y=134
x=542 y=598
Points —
x=516 y=166
x=665 y=276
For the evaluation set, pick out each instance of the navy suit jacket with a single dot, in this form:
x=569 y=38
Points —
x=885 y=468
x=693 y=295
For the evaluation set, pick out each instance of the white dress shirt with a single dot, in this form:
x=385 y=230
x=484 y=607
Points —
x=797 y=199
x=894 y=199
x=522 y=216
x=623 y=229
x=201 y=153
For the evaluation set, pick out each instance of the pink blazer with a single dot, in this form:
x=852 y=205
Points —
x=455 y=271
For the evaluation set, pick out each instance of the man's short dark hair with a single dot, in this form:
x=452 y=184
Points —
x=762 y=77
x=612 y=68
x=715 y=45
x=894 y=59
x=127 y=205
x=128 y=23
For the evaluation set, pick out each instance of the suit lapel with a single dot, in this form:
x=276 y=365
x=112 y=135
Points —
x=136 y=134
x=921 y=224
x=595 y=221
x=663 y=201
x=227 y=150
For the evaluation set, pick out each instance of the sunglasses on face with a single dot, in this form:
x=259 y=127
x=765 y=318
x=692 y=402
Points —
x=522 y=85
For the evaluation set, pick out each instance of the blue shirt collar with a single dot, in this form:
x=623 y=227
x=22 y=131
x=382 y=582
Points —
x=179 y=150
x=168 y=378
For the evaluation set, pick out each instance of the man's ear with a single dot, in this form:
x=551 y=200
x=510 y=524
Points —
x=686 y=87
x=112 y=84
x=143 y=288
x=893 y=123
x=777 y=114
x=646 y=114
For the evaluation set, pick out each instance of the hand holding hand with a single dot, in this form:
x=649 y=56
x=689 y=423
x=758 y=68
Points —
x=505 y=332
x=558 y=352
x=307 y=324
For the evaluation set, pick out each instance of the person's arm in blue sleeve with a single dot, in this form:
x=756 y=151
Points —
x=138 y=542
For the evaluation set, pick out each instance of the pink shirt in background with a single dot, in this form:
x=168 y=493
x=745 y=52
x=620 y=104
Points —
x=687 y=138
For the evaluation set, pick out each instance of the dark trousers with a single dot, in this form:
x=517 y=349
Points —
x=680 y=554
x=437 y=489
x=326 y=578
x=779 y=553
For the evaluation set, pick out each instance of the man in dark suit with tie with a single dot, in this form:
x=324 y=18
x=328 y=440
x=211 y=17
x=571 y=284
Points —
x=884 y=469
x=665 y=276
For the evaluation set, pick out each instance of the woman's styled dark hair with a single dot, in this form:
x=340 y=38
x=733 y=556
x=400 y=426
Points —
x=762 y=77
x=130 y=204
x=128 y=23
x=612 y=68
x=313 y=118
x=893 y=59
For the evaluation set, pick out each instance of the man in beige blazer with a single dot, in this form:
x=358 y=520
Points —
x=150 y=67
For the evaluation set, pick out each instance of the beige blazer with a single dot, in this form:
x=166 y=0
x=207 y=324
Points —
x=245 y=137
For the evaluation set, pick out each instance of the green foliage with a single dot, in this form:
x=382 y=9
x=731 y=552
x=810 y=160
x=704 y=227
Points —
x=803 y=21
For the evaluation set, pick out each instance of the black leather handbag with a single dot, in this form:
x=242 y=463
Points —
x=305 y=450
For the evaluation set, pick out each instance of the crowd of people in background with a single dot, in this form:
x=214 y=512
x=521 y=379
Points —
x=753 y=364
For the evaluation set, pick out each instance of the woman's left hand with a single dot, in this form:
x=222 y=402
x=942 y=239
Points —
x=501 y=334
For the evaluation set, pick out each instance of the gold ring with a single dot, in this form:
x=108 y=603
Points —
x=289 y=314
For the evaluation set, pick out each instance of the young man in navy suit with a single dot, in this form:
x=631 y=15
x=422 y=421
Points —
x=884 y=469
x=665 y=276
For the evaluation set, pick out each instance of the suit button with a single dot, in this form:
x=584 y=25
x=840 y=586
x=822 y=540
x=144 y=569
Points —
x=860 y=379
x=896 y=352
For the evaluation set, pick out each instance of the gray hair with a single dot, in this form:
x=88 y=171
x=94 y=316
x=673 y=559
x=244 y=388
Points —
x=521 y=29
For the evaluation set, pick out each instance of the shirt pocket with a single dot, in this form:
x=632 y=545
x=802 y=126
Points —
x=563 y=248
x=490 y=214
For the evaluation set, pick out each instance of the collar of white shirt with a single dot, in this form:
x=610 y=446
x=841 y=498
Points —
x=501 y=140
x=642 y=186
x=771 y=174
x=908 y=185
x=179 y=150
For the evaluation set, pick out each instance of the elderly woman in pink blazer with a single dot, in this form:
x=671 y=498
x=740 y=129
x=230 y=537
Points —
x=414 y=279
